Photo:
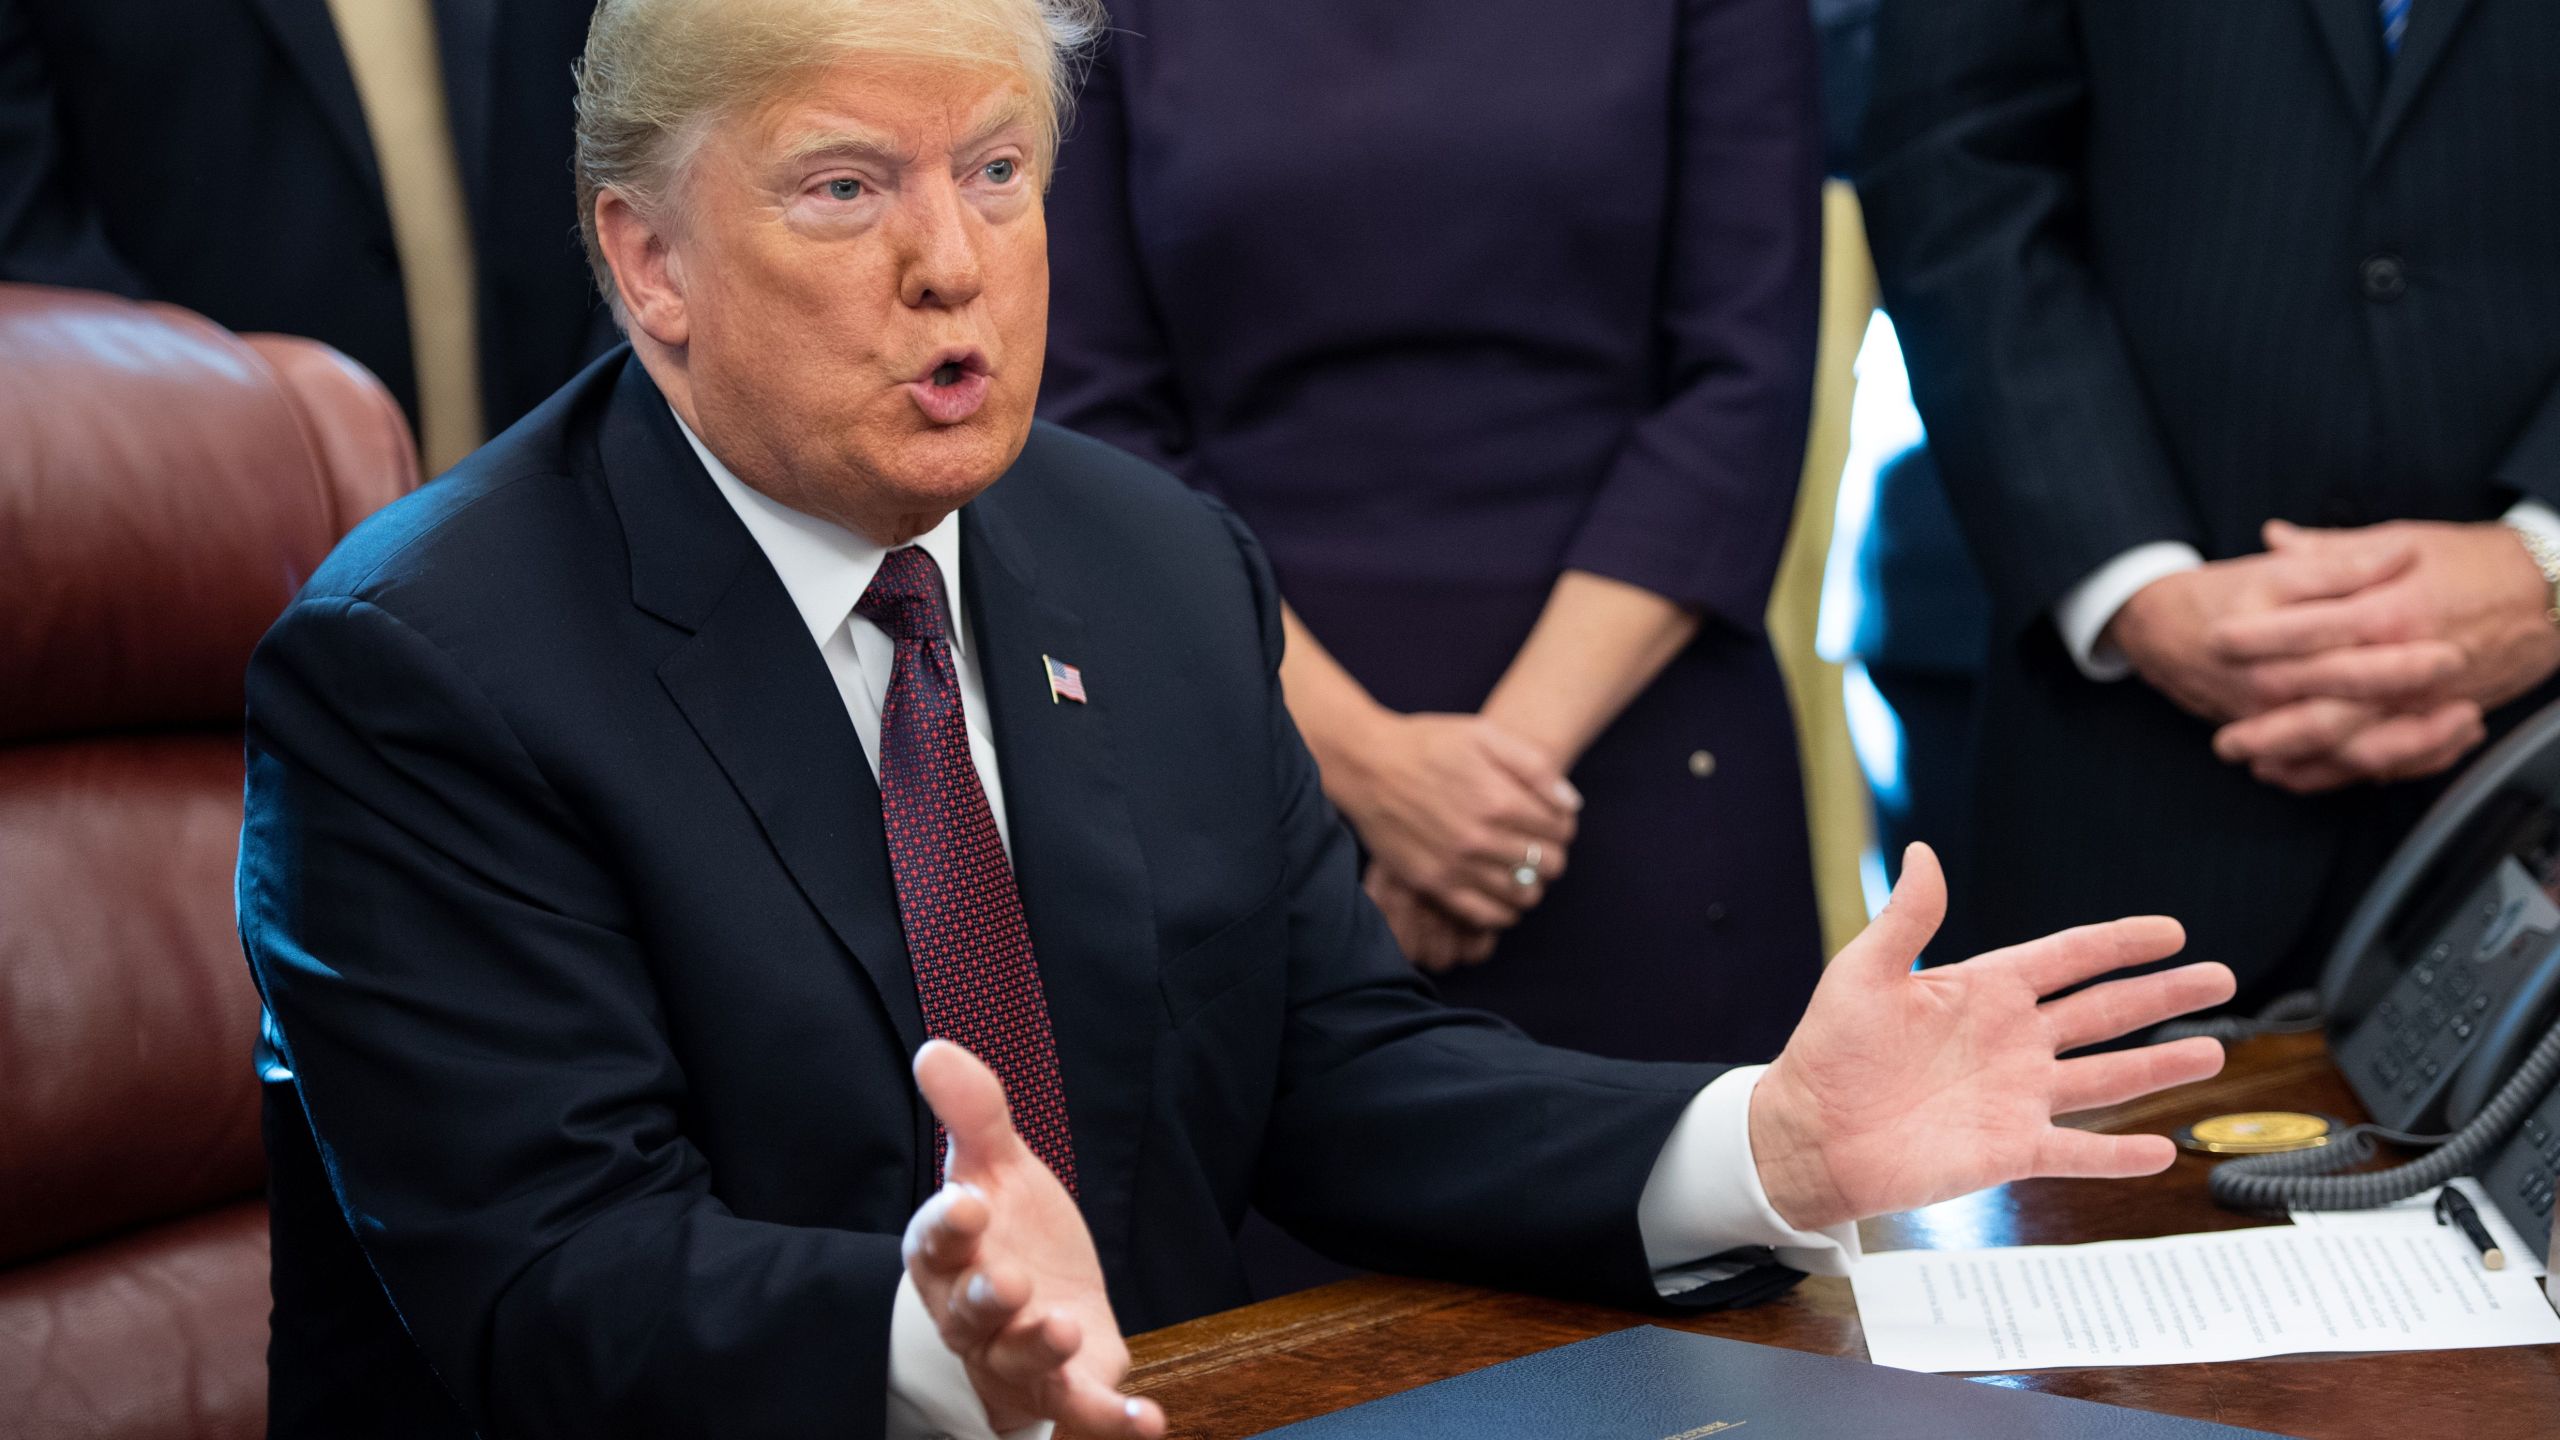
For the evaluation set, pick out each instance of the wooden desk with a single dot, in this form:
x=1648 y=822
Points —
x=1227 y=1376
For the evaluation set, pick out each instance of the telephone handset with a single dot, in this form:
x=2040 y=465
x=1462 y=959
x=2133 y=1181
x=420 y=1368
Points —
x=2446 y=973
x=2443 y=1001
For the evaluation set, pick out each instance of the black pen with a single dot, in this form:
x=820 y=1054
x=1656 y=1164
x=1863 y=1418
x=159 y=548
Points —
x=2452 y=1206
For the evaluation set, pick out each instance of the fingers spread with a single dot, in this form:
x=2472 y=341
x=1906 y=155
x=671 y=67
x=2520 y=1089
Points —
x=943 y=1236
x=2090 y=1081
x=2089 y=951
x=1030 y=1352
x=2066 y=1153
x=2120 y=1007
x=969 y=1101
x=1892 y=942
x=983 y=1308
x=1089 y=1407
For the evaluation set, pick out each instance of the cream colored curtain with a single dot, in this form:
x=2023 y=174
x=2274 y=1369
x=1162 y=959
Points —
x=1835 y=793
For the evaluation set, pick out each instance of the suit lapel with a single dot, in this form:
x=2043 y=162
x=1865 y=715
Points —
x=2353 y=30
x=2432 y=24
x=466 y=52
x=756 y=692
x=309 y=38
x=1076 y=858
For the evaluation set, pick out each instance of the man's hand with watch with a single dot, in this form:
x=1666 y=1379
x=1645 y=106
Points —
x=2468 y=619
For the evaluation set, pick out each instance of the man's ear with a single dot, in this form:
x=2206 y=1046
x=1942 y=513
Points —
x=644 y=270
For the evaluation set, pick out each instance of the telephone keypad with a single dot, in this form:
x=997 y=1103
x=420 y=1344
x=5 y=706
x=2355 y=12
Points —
x=2520 y=1178
x=2437 y=1011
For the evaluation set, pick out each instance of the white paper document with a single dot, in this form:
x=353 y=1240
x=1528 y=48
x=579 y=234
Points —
x=2518 y=1250
x=2229 y=1295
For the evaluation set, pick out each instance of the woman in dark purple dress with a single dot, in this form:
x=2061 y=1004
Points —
x=1495 y=320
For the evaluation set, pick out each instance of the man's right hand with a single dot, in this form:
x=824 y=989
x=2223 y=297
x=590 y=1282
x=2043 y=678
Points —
x=2167 y=630
x=1003 y=1263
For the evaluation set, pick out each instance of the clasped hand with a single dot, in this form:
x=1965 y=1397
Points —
x=2340 y=656
x=1454 y=809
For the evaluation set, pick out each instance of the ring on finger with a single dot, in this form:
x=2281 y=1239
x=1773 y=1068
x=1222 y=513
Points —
x=1526 y=873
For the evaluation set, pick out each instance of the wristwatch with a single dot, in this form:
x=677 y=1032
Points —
x=2546 y=558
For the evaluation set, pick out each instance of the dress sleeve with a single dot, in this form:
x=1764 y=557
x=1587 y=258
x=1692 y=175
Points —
x=1697 y=504
x=1109 y=373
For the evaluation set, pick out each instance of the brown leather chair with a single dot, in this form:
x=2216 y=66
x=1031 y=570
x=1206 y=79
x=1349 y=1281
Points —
x=165 y=487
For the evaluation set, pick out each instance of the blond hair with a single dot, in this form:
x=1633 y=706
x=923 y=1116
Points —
x=657 y=72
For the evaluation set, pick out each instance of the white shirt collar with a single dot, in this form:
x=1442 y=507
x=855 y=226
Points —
x=824 y=566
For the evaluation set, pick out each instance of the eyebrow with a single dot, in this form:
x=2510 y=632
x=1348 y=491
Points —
x=866 y=145
x=848 y=145
x=1014 y=110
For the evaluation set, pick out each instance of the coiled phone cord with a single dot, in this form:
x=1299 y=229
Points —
x=2304 y=1178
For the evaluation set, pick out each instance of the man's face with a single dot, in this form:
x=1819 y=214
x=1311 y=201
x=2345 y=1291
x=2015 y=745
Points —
x=864 y=273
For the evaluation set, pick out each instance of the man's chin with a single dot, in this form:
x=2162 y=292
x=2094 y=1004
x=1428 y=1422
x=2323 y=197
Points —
x=952 y=464
x=946 y=467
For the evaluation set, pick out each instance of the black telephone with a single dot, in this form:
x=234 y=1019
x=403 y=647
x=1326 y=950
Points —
x=2446 y=978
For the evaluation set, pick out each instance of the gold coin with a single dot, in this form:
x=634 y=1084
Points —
x=2254 y=1132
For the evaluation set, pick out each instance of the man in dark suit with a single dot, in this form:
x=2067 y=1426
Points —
x=2166 y=273
x=629 y=808
x=382 y=175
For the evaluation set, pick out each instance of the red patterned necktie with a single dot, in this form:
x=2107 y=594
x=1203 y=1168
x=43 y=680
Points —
x=975 y=977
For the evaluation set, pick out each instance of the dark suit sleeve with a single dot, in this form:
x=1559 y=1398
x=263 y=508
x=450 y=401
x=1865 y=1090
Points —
x=1974 y=208
x=1414 y=1138
x=1109 y=374
x=475 y=1036
x=2532 y=464
x=1696 y=505
x=49 y=234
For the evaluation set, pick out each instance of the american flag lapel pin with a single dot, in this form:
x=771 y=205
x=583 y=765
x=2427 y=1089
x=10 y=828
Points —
x=1066 y=682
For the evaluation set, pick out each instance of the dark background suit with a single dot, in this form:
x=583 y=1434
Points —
x=214 y=154
x=2165 y=269
x=564 y=880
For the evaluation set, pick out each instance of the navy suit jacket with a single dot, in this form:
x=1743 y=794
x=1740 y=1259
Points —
x=214 y=154
x=590 y=1013
x=2164 y=270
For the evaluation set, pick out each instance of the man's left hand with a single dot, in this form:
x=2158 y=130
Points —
x=2473 y=597
x=1902 y=1088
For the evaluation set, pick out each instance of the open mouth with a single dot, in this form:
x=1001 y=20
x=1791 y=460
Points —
x=952 y=387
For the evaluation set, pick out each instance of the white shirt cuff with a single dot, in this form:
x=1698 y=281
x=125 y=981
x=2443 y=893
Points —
x=2082 y=615
x=1704 y=1196
x=930 y=1397
x=2536 y=517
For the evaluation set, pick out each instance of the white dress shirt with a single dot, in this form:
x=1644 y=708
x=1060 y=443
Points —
x=1702 y=1199
x=2083 y=612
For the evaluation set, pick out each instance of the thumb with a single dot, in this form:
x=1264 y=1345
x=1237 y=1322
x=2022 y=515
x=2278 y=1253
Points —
x=2332 y=564
x=1892 y=942
x=969 y=1101
x=1531 y=767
